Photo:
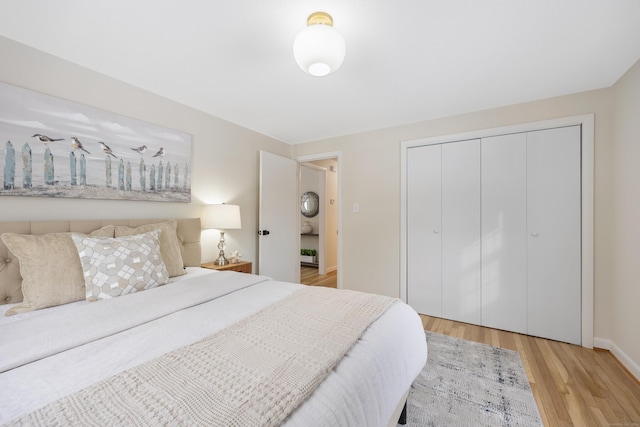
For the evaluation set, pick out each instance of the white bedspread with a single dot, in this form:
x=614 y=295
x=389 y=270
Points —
x=57 y=364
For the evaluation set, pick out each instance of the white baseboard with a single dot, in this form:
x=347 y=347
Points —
x=626 y=361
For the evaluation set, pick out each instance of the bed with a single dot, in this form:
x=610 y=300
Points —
x=67 y=360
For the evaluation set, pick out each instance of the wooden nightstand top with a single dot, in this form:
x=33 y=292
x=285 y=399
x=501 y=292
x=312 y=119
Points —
x=241 y=266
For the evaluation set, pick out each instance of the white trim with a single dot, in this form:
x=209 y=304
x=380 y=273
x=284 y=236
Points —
x=403 y=220
x=588 y=139
x=588 y=174
x=324 y=156
x=602 y=343
x=626 y=361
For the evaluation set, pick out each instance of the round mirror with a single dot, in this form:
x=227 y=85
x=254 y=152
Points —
x=310 y=204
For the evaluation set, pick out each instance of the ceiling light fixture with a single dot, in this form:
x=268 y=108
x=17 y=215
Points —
x=319 y=49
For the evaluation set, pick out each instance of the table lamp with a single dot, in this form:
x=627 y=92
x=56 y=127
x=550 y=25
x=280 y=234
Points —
x=222 y=217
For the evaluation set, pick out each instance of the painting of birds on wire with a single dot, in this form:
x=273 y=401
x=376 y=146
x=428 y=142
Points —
x=51 y=147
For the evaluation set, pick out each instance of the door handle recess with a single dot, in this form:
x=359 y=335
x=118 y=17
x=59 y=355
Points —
x=264 y=232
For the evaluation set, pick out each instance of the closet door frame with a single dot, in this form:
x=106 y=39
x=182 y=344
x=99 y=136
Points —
x=587 y=201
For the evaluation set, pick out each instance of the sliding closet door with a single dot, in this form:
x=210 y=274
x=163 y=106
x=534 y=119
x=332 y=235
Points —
x=461 y=231
x=553 y=235
x=424 y=259
x=504 y=231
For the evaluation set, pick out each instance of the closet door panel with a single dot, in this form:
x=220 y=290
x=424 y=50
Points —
x=461 y=231
x=424 y=251
x=553 y=235
x=504 y=231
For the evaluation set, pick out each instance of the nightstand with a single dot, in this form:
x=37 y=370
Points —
x=242 y=266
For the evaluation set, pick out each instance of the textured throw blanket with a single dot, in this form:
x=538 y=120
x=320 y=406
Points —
x=253 y=373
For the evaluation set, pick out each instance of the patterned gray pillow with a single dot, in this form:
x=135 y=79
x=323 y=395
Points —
x=118 y=266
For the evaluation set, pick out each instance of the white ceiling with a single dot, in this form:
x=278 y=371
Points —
x=407 y=60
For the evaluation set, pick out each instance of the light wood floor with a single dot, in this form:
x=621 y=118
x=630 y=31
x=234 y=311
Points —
x=309 y=276
x=573 y=386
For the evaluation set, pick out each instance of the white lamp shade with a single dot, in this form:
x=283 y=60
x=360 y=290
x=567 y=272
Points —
x=319 y=49
x=222 y=217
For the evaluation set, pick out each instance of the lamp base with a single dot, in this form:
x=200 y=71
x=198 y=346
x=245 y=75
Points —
x=222 y=260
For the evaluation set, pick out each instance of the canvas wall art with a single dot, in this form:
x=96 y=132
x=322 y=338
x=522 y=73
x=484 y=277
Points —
x=56 y=148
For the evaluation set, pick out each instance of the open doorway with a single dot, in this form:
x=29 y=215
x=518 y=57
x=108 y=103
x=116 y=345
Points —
x=319 y=232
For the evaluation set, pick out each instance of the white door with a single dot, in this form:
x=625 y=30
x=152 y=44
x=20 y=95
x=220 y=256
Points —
x=554 y=236
x=279 y=228
x=504 y=232
x=461 y=231
x=424 y=245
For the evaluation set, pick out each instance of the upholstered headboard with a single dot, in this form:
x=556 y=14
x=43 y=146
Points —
x=11 y=281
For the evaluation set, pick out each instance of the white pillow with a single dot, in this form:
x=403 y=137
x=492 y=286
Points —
x=169 y=243
x=118 y=266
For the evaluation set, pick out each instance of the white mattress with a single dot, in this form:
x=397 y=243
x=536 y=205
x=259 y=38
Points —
x=363 y=389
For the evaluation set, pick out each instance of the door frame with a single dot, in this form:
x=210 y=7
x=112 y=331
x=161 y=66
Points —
x=586 y=122
x=321 y=212
x=325 y=156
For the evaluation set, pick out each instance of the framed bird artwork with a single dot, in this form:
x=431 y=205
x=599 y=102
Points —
x=51 y=147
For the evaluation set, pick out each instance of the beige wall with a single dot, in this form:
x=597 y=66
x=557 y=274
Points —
x=625 y=289
x=371 y=178
x=224 y=156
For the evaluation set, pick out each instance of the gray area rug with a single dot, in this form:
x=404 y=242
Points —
x=465 y=383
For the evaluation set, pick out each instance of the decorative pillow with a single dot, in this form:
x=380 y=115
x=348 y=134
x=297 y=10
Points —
x=118 y=266
x=169 y=243
x=50 y=268
x=106 y=231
